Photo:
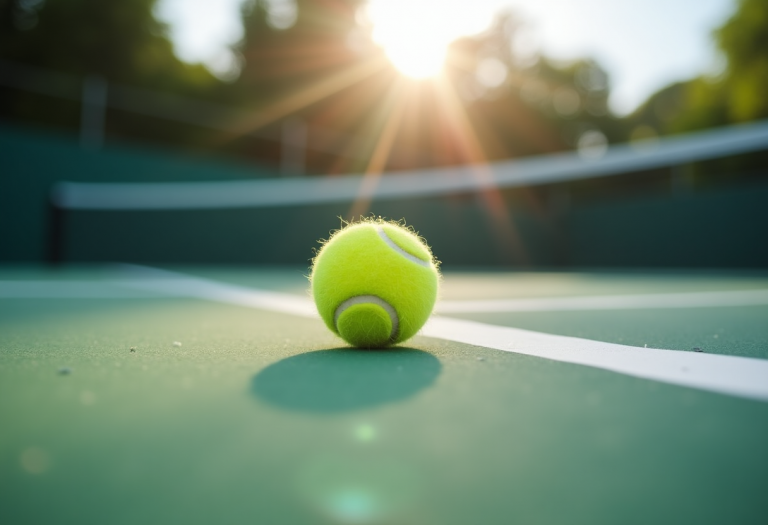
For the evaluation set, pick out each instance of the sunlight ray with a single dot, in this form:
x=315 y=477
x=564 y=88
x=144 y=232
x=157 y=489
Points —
x=472 y=154
x=381 y=152
x=309 y=95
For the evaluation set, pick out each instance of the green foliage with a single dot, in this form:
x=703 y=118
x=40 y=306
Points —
x=538 y=106
x=744 y=41
x=283 y=56
x=120 y=40
x=542 y=105
x=738 y=94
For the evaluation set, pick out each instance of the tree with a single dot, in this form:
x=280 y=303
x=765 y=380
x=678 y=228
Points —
x=530 y=104
x=121 y=41
x=281 y=52
x=69 y=40
x=309 y=68
x=744 y=41
x=738 y=94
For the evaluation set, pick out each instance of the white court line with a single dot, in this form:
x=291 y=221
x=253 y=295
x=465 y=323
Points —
x=609 y=302
x=736 y=376
x=180 y=285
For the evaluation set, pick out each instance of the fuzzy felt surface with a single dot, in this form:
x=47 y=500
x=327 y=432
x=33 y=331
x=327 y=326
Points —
x=357 y=261
x=365 y=326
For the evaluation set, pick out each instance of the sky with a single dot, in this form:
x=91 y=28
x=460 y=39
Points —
x=643 y=44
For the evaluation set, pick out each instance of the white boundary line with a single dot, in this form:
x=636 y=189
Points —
x=736 y=376
x=610 y=302
x=180 y=285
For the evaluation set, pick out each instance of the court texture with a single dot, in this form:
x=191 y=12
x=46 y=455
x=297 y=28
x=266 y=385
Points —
x=135 y=393
x=131 y=394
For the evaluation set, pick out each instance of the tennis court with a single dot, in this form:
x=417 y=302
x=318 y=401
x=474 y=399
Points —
x=199 y=395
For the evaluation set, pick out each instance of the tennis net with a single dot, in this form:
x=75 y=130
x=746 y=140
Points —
x=529 y=212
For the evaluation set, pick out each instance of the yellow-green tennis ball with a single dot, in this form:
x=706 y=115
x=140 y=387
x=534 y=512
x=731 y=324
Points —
x=374 y=283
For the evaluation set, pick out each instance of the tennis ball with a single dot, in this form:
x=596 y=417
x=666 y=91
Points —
x=374 y=283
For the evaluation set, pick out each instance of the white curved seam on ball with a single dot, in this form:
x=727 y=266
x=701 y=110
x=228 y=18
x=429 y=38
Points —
x=399 y=250
x=369 y=299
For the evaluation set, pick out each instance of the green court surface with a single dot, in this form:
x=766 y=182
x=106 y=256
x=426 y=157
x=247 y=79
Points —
x=123 y=405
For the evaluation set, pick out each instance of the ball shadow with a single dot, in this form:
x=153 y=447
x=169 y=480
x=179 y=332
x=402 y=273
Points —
x=345 y=379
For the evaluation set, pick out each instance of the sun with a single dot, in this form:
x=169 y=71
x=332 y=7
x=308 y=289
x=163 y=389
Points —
x=416 y=58
x=415 y=34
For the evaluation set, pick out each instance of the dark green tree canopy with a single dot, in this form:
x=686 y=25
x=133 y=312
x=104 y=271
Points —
x=120 y=40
